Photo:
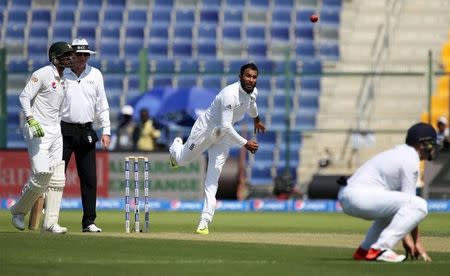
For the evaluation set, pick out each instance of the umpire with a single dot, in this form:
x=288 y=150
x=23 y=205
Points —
x=85 y=101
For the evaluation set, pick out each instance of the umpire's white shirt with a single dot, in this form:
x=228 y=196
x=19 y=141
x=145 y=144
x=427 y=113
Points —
x=229 y=107
x=43 y=95
x=396 y=169
x=86 y=99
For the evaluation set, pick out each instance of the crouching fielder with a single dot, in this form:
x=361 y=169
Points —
x=213 y=132
x=41 y=100
x=383 y=190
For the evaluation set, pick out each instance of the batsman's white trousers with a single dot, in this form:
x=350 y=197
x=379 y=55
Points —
x=394 y=213
x=203 y=139
x=44 y=152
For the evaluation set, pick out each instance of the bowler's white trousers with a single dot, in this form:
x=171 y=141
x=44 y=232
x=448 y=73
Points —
x=201 y=139
x=394 y=213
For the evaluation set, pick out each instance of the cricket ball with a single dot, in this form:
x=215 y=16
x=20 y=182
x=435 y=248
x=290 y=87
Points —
x=313 y=18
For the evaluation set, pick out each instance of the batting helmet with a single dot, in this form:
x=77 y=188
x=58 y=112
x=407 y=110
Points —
x=58 y=49
x=420 y=133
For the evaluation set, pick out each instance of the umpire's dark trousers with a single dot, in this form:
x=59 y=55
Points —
x=80 y=139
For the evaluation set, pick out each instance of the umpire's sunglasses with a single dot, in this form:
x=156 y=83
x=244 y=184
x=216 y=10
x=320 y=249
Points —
x=83 y=54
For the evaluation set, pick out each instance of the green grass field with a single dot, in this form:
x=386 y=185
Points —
x=239 y=244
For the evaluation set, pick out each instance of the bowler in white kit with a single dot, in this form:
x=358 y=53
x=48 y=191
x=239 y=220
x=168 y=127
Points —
x=384 y=190
x=213 y=132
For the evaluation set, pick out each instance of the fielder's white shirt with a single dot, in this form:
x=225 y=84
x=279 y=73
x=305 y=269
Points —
x=43 y=95
x=86 y=99
x=229 y=107
x=396 y=169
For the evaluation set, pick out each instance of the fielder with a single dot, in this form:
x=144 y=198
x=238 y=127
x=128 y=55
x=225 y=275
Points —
x=213 y=132
x=384 y=190
x=41 y=101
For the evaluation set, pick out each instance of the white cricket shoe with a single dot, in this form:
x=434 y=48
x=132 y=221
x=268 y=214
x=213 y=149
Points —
x=18 y=221
x=56 y=229
x=390 y=256
x=203 y=227
x=92 y=228
x=176 y=143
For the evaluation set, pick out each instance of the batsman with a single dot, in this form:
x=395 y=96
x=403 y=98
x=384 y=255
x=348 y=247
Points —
x=41 y=101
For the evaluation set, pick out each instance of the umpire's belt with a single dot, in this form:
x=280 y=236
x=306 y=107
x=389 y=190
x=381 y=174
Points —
x=70 y=129
x=76 y=126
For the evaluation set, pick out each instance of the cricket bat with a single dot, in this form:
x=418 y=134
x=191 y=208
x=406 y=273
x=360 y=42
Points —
x=36 y=213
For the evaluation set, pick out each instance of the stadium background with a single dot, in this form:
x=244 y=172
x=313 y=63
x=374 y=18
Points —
x=352 y=83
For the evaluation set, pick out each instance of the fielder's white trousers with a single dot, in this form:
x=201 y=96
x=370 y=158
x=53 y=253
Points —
x=201 y=139
x=46 y=151
x=394 y=213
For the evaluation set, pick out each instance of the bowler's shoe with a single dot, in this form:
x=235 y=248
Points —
x=202 y=228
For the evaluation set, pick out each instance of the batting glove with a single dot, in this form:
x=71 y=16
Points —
x=36 y=128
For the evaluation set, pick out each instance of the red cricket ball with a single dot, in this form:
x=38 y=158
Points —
x=313 y=18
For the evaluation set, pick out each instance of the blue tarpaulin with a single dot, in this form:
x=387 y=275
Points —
x=174 y=106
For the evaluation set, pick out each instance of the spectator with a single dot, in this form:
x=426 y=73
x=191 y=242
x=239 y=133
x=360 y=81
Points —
x=147 y=132
x=443 y=132
x=125 y=139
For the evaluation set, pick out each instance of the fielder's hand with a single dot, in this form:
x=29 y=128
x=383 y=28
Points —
x=251 y=146
x=35 y=128
x=424 y=256
x=421 y=254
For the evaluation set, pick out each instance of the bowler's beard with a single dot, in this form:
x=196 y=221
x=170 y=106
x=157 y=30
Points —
x=248 y=91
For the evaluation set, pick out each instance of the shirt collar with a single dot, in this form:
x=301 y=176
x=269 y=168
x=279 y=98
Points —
x=70 y=72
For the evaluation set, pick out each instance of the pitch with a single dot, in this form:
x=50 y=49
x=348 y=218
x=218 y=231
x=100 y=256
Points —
x=239 y=244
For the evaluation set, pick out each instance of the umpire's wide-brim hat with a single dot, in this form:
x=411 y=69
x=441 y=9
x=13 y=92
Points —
x=81 y=46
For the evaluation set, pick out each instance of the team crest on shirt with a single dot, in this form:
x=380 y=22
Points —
x=229 y=106
x=34 y=79
x=53 y=85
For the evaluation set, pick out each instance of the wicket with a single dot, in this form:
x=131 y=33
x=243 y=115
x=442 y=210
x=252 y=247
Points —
x=136 y=159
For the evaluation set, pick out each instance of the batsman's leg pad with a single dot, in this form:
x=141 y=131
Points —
x=54 y=195
x=35 y=187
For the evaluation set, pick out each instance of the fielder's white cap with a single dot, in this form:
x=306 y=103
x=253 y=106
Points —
x=443 y=120
x=127 y=110
x=81 y=46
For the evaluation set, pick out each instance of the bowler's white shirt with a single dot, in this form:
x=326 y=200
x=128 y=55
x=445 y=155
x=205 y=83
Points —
x=229 y=107
x=86 y=99
x=396 y=169
x=43 y=95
